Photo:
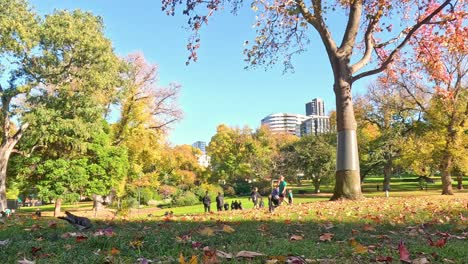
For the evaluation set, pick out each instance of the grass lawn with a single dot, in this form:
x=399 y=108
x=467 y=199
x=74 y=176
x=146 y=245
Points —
x=326 y=232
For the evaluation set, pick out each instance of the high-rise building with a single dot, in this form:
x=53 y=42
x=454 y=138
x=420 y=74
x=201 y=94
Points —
x=284 y=122
x=201 y=145
x=315 y=107
x=314 y=125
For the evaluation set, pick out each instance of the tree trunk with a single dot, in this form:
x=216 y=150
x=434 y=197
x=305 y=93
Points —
x=459 y=182
x=446 y=175
x=58 y=205
x=5 y=152
x=387 y=174
x=316 y=184
x=348 y=181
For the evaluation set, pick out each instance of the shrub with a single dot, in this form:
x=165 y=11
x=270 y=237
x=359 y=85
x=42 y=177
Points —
x=185 y=198
x=229 y=190
x=146 y=194
x=242 y=188
x=212 y=189
x=166 y=191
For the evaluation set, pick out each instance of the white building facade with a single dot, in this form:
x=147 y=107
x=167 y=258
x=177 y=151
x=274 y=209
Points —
x=284 y=122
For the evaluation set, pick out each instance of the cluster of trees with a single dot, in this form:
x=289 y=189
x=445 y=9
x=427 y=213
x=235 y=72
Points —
x=242 y=158
x=60 y=83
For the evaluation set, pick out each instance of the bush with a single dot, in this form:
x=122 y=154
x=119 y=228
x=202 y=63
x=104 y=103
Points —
x=242 y=188
x=264 y=187
x=146 y=195
x=186 y=198
x=167 y=191
x=229 y=190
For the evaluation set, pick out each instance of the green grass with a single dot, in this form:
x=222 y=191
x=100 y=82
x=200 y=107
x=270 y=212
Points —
x=392 y=220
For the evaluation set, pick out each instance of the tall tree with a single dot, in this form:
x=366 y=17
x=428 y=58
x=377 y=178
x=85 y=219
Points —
x=147 y=110
x=282 y=29
x=66 y=49
x=436 y=80
x=386 y=109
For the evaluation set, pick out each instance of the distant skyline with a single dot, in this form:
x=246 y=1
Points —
x=216 y=89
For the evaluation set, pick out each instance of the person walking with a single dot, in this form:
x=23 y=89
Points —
x=219 y=201
x=282 y=189
x=254 y=195
x=207 y=202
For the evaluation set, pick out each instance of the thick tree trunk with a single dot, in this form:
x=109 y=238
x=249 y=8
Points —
x=5 y=152
x=446 y=175
x=58 y=206
x=348 y=181
x=459 y=182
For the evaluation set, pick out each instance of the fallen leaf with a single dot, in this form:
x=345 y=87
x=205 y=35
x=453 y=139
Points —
x=248 y=254
x=52 y=224
x=25 y=261
x=34 y=250
x=114 y=251
x=287 y=221
x=420 y=261
x=67 y=246
x=439 y=243
x=328 y=225
x=209 y=256
x=228 y=229
x=295 y=260
x=81 y=238
x=354 y=232
x=358 y=247
x=206 y=231
x=326 y=237
x=223 y=254
x=368 y=227
x=404 y=253
x=196 y=244
x=296 y=237
x=193 y=259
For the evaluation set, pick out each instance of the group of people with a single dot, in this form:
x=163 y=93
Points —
x=276 y=198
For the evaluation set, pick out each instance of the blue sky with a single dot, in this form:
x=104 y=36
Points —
x=215 y=90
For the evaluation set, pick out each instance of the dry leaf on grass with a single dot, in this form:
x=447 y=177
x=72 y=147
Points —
x=358 y=247
x=228 y=229
x=223 y=254
x=25 y=261
x=368 y=227
x=326 y=237
x=206 y=231
x=193 y=259
x=420 y=261
x=404 y=253
x=248 y=254
x=296 y=237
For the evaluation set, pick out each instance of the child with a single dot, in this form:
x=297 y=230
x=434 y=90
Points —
x=219 y=202
x=273 y=199
x=290 y=196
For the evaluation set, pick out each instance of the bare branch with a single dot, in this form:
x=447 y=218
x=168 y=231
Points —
x=402 y=44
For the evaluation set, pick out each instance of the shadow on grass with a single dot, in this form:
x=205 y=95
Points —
x=164 y=239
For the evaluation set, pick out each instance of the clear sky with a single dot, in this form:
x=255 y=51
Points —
x=215 y=90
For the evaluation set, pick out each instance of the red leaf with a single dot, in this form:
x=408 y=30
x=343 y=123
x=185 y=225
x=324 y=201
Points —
x=81 y=238
x=386 y=259
x=34 y=250
x=440 y=243
x=404 y=253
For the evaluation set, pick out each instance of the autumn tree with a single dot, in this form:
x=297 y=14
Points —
x=436 y=80
x=386 y=117
x=147 y=110
x=283 y=29
x=65 y=49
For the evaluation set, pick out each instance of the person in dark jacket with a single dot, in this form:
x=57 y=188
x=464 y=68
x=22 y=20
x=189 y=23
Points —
x=255 y=195
x=219 y=202
x=207 y=202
